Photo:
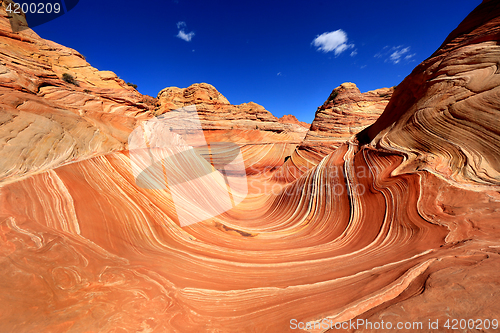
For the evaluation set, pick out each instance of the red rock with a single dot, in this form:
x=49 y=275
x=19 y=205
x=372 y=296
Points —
x=47 y=122
x=368 y=232
x=264 y=140
x=216 y=112
x=345 y=113
x=444 y=115
x=290 y=119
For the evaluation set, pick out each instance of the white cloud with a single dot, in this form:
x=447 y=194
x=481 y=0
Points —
x=395 y=54
x=335 y=41
x=185 y=36
x=182 y=34
x=353 y=53
x=279 y=74
x=395 y=57
x=409 y=56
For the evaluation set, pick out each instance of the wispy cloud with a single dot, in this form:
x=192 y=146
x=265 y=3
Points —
x=409 y=56
x=395 y=54
x=182 y=33
x=334 y=41
x=381 y=53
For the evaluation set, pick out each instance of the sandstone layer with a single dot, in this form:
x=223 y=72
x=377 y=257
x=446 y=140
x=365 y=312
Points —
x=291 y=119
x=345 y=113
x=46 y=121
x=398 y=224
x=216 y=112
x=444 y=115
x=264 y=140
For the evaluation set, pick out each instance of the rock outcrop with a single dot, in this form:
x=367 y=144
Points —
x=345 y=113
x=263 y=139
x=216 y=113
x=291 y=119
x=444 y=115
x=46 y=121
x=398 y=224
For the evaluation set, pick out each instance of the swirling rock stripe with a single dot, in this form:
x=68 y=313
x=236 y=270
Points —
x=444 y=115
x=308 y=251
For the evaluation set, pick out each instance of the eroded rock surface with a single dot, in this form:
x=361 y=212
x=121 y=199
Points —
x=216 y=112
x=444 y=115
x=291 y=119
x=399 y=224
x=46 y=121
x=264 y=139
x=345 y=113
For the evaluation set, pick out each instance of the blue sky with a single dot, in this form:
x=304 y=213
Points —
x=284 y=55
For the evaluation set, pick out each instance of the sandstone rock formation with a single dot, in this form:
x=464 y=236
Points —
x=45 y=121
x=345 y=113
x=291 y=119
x=399 y=224
x=444 y=115
x=96 y=113
x=264 y=140
x=216 y=112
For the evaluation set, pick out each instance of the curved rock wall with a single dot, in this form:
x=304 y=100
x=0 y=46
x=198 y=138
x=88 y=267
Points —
x=444 y=116
x=397 y=224
x=345 y=113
